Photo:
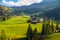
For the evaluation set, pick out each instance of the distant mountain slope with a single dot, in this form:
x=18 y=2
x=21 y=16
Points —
x=53 y=13
x=5 y=13
x=49 y=8
x=37 y=7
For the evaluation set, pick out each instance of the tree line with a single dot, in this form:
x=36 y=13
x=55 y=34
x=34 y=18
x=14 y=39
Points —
x=48 y=28
x=5 y=13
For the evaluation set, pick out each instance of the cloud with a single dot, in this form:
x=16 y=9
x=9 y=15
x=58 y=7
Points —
x=21 y=2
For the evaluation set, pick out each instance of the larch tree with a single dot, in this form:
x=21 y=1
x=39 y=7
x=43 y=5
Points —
x=35 y=35
x=3 y=35
x=29 y=33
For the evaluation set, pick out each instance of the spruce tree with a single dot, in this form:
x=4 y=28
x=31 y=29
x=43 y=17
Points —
x=43 y=30
x=3 y=36
x=49 y=27
x=46 y=28
x=29 y=33
x=57 y=25
x=35 y=36
x=52 y=27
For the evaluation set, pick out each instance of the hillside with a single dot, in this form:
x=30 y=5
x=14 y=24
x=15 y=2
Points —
x=37 y=7
x=17 y=26
x=49 y=8
x=5 y=13
x=14 y=26
x=53 y=13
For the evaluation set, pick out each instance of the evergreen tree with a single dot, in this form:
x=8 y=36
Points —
x=57 y=25
x=52 y=27
x=3 y=36
x=46 y=28
x=43 y=29
x=29 y=33
x=35 y=36
x=49 y=28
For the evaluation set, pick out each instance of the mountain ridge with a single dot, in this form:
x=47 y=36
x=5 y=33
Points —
x=37 y=7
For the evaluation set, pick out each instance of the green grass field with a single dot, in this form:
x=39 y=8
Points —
x=55 y=36
x=16 y=27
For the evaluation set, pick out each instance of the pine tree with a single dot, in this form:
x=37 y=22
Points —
x=52 y=27
x=49 y=27
x=57 y=25
x=3 y=36
x=35 y=36
x=29 y=33
x=46 y=28
x=43 y=30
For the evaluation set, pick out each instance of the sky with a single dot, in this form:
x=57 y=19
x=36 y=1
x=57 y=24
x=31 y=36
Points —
x=18 y=2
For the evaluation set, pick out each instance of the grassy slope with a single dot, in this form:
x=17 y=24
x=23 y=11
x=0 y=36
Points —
x=17 y=26
x=55 y=36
